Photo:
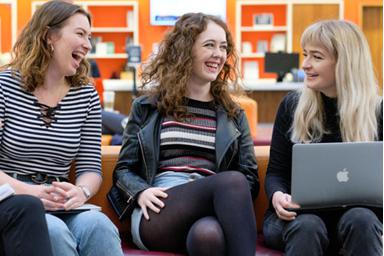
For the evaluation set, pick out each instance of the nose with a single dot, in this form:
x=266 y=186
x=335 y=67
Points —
x=217 y=53
x=306 y=63
x=87 y=44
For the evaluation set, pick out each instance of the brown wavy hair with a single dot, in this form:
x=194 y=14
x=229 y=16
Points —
x=31 y=52
x=170 y=70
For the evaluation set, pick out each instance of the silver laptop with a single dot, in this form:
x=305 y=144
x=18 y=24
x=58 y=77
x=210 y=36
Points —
x=326 y=175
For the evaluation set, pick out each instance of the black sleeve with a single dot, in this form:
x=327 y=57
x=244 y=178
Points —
x=126 y=172
x=247 y=160
x=278 y=177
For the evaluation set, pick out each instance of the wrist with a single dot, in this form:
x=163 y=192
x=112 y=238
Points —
x=85 y=190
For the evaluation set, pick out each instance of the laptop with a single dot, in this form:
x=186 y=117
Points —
x=328 y=175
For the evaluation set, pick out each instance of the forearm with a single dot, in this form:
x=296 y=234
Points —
x=19 y=186
x=91 y=181
x=274 y=184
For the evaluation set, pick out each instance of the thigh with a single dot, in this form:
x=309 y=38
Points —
x=88 y=221
x=184 y=205
x=8 y=208
x=95 y=233
x=17 y=208
x=57 y=227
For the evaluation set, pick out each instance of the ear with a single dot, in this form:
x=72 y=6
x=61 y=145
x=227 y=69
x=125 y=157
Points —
x=50 y=36
x=47 y=36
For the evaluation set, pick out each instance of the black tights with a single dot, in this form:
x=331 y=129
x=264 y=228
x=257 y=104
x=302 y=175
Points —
x=210 y=216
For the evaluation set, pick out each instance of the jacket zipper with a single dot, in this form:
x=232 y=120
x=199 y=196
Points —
x=233 y=155
x=128 y=201
x=142 y=153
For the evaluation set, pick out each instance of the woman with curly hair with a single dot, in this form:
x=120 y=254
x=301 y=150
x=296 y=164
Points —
x=187 y=167
x=49 y=118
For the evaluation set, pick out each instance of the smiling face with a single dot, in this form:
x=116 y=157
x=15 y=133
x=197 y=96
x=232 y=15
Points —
x=71 y=44
x=319 y=66
x=209 y=54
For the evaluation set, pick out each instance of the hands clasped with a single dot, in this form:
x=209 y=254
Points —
x=60 y=195
x=150 y=198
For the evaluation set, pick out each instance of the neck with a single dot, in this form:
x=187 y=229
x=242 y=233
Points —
x=199 y=92
x=330 y=93
x=53 y=89
x=53 y=79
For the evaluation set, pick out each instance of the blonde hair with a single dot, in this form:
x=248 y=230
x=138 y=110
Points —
x=356 y=86
x=32 y=53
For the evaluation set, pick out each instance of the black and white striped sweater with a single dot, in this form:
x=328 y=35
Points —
x=28 y=145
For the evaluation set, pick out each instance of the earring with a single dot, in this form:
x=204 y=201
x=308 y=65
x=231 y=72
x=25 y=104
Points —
x=52 y=48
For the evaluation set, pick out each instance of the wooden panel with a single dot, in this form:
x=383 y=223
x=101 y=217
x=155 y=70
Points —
x=267 y=104
x=306 y=14
x=373 y=30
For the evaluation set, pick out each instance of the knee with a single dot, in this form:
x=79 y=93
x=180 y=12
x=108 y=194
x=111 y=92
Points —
x=233 y=180
x=307 y=225
x=359 y=218
x=23 y=210
x=206 y=237
x=30 y=205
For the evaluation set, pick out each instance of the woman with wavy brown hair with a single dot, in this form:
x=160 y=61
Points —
x=187 y=167
x=49 y=118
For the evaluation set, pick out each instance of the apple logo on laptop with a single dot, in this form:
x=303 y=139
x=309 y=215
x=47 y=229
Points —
x=342 y=176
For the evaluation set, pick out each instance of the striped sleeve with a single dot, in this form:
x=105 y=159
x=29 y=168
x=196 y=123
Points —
x=2 y=111
x=88 y=158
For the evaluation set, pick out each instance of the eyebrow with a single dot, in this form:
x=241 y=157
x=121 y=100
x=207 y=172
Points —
x=314 y=52
x=214 y=41
x=82 y=29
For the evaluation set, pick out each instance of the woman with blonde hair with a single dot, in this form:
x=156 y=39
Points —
x=49 y=118
x=338 y=103
x=187 y=167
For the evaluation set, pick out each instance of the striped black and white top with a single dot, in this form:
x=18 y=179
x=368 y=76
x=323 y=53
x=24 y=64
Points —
x=28 y=145
x=189 y=145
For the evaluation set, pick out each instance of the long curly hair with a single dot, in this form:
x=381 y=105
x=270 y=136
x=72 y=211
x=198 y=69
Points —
x=31 y=53
x=167 y=74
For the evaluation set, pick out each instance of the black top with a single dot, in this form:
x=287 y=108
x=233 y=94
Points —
x=278 y=176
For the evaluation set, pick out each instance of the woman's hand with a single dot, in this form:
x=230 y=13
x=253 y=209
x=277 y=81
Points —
x=280 y=202
x=73 y=195
x=149 y=198
x=47 y=195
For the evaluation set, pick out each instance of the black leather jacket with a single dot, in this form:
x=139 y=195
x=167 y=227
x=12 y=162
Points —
x=137 y=165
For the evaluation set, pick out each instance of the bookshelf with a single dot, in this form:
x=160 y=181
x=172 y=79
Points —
x=282 y=21
x=263 y=26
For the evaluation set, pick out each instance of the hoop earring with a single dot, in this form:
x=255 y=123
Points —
x=52 y=48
